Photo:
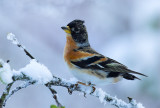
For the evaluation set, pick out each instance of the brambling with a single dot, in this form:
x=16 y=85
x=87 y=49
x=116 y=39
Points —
x=86 y=64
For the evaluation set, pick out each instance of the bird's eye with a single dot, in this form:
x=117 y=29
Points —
x=77 y=30
x=72 y=29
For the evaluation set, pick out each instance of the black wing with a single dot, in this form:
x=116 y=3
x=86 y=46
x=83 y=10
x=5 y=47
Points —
x=112 y=66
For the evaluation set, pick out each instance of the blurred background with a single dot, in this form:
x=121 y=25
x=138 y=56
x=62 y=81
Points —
x=125 y=30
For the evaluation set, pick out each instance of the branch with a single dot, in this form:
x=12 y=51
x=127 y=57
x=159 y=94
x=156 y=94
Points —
x=73 y=86
x=23 y=85
x=99 y=93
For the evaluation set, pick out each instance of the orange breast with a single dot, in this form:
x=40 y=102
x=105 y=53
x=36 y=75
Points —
x=70 y=54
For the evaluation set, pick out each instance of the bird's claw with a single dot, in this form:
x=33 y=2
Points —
x=93 y=89
x=88 y=84
x=71 y=88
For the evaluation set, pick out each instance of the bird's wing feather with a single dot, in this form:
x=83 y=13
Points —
x=100 y=62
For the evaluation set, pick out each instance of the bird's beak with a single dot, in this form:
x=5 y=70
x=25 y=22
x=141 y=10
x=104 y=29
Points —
x=66 y=29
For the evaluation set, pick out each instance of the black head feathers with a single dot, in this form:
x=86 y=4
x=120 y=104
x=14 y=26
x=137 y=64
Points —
x=75 y=23
x=78 y=31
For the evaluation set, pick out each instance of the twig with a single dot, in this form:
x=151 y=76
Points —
x=23 y=85
x=5 y=94
x=15 y=41
x=26 y=52
x=59 y=105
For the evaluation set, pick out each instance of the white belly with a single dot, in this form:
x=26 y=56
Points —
x=85 y=77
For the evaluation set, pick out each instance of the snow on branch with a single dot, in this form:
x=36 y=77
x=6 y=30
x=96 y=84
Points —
x=71 y=85
x=5 y=72
x=23 y=85
x=99 y=93
x=33 y=71
x=37 y=73
x=5 y=94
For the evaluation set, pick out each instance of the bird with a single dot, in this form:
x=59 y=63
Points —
x=86 y=64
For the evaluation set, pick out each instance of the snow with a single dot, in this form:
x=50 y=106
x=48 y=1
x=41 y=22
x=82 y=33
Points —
x=5 y=73
x=115 y=101
x=139 y=105
x=36 y=71
x=71 y=80
x=13 y=38
x=120 y=103
x=99 y=92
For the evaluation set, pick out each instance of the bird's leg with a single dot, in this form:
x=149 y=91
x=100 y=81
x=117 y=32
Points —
x=93 y=89
x=92 y=85
x=82 y=83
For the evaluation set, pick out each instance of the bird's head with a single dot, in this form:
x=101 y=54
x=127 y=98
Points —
x=77 y=30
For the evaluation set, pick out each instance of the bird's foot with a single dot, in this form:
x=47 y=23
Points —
x=92 y=85
x=93 y=89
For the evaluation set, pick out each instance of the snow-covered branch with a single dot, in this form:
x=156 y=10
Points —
x=23 y=85
x=37 y=73
x=5 y=94
x=99 y=93
x=71 y=85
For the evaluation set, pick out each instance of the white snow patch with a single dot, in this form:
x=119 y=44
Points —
x=13 y=38
x=119 y=102
x=5 y=73
x=33 y=70
x=73 y=80
x=88 y=90
x=99 y=92
x=37 y=72
x=139 y=105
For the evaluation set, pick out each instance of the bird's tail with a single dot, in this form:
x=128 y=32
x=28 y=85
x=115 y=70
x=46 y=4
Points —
x=130 y=76
x=130 y=71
